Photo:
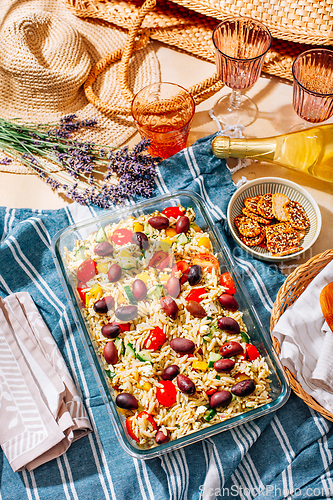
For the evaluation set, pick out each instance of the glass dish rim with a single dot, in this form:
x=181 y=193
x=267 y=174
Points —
x=84 y=335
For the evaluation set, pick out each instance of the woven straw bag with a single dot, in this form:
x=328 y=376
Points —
x=292 y=288
x=176 y=26
x=300 y=21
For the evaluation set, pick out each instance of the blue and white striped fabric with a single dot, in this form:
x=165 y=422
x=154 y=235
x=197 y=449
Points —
x=287 y=454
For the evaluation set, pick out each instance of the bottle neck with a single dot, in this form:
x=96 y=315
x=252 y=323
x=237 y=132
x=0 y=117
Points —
x=263 y=149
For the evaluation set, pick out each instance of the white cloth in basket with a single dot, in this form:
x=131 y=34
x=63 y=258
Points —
x=306 y=341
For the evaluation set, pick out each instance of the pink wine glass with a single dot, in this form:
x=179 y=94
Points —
x=240 y=47
x=313 y=85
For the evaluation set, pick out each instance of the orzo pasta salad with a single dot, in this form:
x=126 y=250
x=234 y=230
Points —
x=167 y=326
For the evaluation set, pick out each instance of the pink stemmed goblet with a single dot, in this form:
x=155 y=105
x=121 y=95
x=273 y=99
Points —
x=313 y=85
x=240 y=47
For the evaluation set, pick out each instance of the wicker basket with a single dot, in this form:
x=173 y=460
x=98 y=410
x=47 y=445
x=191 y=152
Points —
x=188 y=24
x=292 y=288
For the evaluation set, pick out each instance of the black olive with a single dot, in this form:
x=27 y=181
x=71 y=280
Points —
x=141 y=240
x=194 y=275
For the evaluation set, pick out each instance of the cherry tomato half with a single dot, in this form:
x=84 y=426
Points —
x=227 y=281
x=142 y=414
x=87 y=270
x=181 y=269
x=122 y=236
x=166 y=395
x=207 y=261
x=124 y=327
x=149 y=417
x=195 y=294
x=173 y=212
x=184 y=276
x=252 y=352
x=129 y=427
x=181 y=266
x=167 y=262
x=82 y=290
x=157 y=259
x=156 y=339
x=210 y=392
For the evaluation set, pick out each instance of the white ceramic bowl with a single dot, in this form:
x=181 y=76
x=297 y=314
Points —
x=275 y=185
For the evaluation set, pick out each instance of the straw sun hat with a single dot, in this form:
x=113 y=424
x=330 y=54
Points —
x=46 y=54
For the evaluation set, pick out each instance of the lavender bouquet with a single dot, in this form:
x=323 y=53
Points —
x=83 y=171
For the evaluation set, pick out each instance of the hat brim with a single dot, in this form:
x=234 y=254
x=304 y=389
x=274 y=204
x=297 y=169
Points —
x=100 y=38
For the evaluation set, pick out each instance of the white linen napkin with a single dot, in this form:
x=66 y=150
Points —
x=306 y=341
x=41 y=411
x=323 y=373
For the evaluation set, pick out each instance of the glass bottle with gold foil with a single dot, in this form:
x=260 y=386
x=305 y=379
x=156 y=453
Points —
x=309 y=151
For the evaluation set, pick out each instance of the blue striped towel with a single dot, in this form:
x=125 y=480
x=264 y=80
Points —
x=287 y=454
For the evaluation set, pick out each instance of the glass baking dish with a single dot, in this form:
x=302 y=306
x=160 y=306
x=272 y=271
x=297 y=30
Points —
x=66 y=241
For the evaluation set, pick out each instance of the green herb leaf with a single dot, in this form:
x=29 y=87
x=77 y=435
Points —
x=110 y=374
x=245 y=337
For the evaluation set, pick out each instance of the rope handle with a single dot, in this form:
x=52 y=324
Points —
x=200 y=92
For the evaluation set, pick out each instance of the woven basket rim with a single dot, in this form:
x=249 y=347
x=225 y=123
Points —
x=292 y=288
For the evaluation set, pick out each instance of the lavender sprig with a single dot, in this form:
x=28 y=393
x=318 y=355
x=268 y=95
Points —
x=84 y=171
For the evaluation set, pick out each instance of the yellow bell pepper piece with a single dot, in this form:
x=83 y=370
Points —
x=196 y=227
x=241 y=376
x=95 y=293
x=163 y=278
x=170 y=231
x=146 y=386
x=124 y=412
x=138 y=228
x=200 y=365
x=120 y=298
x=204 y=242
x=165 y=245
x=168 y=241
x=102 y=267
x=125 y=253
x=143 y=276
